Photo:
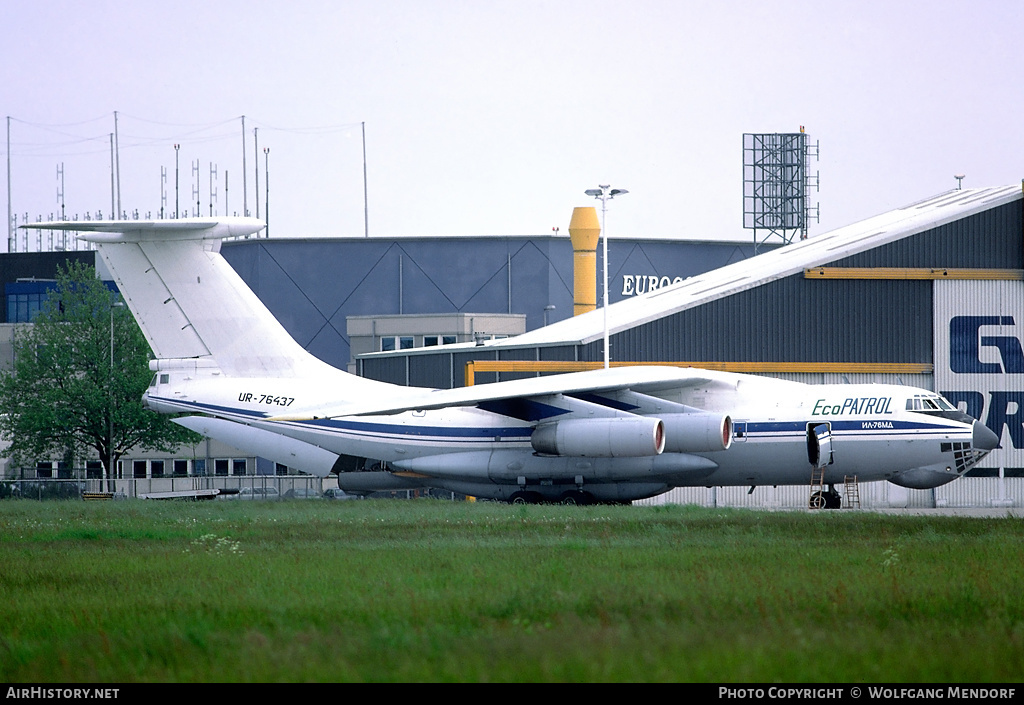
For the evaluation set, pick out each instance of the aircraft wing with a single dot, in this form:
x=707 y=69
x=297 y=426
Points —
x=644 y=379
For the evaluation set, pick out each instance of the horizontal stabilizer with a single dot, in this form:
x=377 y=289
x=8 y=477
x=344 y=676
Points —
x=189 y=302
x=139 y=230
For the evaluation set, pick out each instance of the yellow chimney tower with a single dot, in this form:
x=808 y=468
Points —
x=584 y=231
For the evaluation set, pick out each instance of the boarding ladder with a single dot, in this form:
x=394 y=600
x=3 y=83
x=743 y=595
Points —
x=817 y=498
x=851 y=492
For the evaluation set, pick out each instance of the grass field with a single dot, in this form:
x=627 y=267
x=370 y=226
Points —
x=439 y=591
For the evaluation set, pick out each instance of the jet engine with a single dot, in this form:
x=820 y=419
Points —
x=615 y=437
x=697 y=433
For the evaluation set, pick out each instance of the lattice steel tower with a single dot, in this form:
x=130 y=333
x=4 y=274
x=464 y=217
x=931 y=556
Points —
x=776 y=182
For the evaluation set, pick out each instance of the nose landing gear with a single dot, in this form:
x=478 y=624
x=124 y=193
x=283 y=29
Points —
x=823 y=499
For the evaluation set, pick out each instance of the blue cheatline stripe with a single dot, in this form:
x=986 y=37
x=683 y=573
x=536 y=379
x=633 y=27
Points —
x=860 y=429
x=211 y=408
x=846 y=426
x=765 y=429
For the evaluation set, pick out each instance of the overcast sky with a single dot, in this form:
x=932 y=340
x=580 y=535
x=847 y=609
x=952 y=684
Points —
x=493 y=117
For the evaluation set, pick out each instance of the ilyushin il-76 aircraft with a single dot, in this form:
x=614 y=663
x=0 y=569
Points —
x=607 y=435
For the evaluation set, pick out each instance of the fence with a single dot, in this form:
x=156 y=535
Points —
x=969 y=492
x=270 y=487
x=264 y=486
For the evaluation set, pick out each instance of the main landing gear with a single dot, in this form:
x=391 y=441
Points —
x=573 y=497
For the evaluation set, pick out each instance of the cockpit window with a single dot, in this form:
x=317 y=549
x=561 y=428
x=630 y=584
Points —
x=928 y=403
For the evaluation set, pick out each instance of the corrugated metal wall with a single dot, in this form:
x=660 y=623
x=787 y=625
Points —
x=808 y=320
x=833 y=320
x=990 y=239
x=423 y=371
x=446 y=369
x=794 y=319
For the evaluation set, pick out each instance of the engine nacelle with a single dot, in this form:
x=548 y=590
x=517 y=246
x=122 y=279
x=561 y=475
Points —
x=697 y=433
x=616 y=437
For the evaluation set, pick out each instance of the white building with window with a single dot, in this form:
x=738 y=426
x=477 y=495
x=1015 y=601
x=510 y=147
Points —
x=387 y=333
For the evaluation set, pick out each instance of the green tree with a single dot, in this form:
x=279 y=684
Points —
x=78 y=377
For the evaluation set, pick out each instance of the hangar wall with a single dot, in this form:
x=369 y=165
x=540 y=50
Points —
x=990 y=239
x=979 y=361
x=312 y=285
x=794 y=318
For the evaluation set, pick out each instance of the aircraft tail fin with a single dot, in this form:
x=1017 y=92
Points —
x=188 y=300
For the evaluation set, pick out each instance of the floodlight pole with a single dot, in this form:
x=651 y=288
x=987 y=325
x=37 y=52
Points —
x=266 y=180
x=176 y=185
x=604 y=193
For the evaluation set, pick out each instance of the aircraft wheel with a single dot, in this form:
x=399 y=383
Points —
x=818 y=501
x=833 y=501
x=524 y=498
x=575 y=497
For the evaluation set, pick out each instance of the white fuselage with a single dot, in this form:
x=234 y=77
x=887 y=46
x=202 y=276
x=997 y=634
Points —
x=875 y=436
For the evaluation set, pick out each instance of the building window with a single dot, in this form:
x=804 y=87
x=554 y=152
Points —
x=432 y=340
x=180 y=468
x=23 y=308
x=156 y=468
x=93 y=470
x=280 y=469
x=396 y=342
x=220 y=466
x=238 y=466
x=139 y=468
x=44 y=469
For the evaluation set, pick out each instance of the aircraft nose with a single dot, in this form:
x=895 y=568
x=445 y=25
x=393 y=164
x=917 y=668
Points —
x=983 y=438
